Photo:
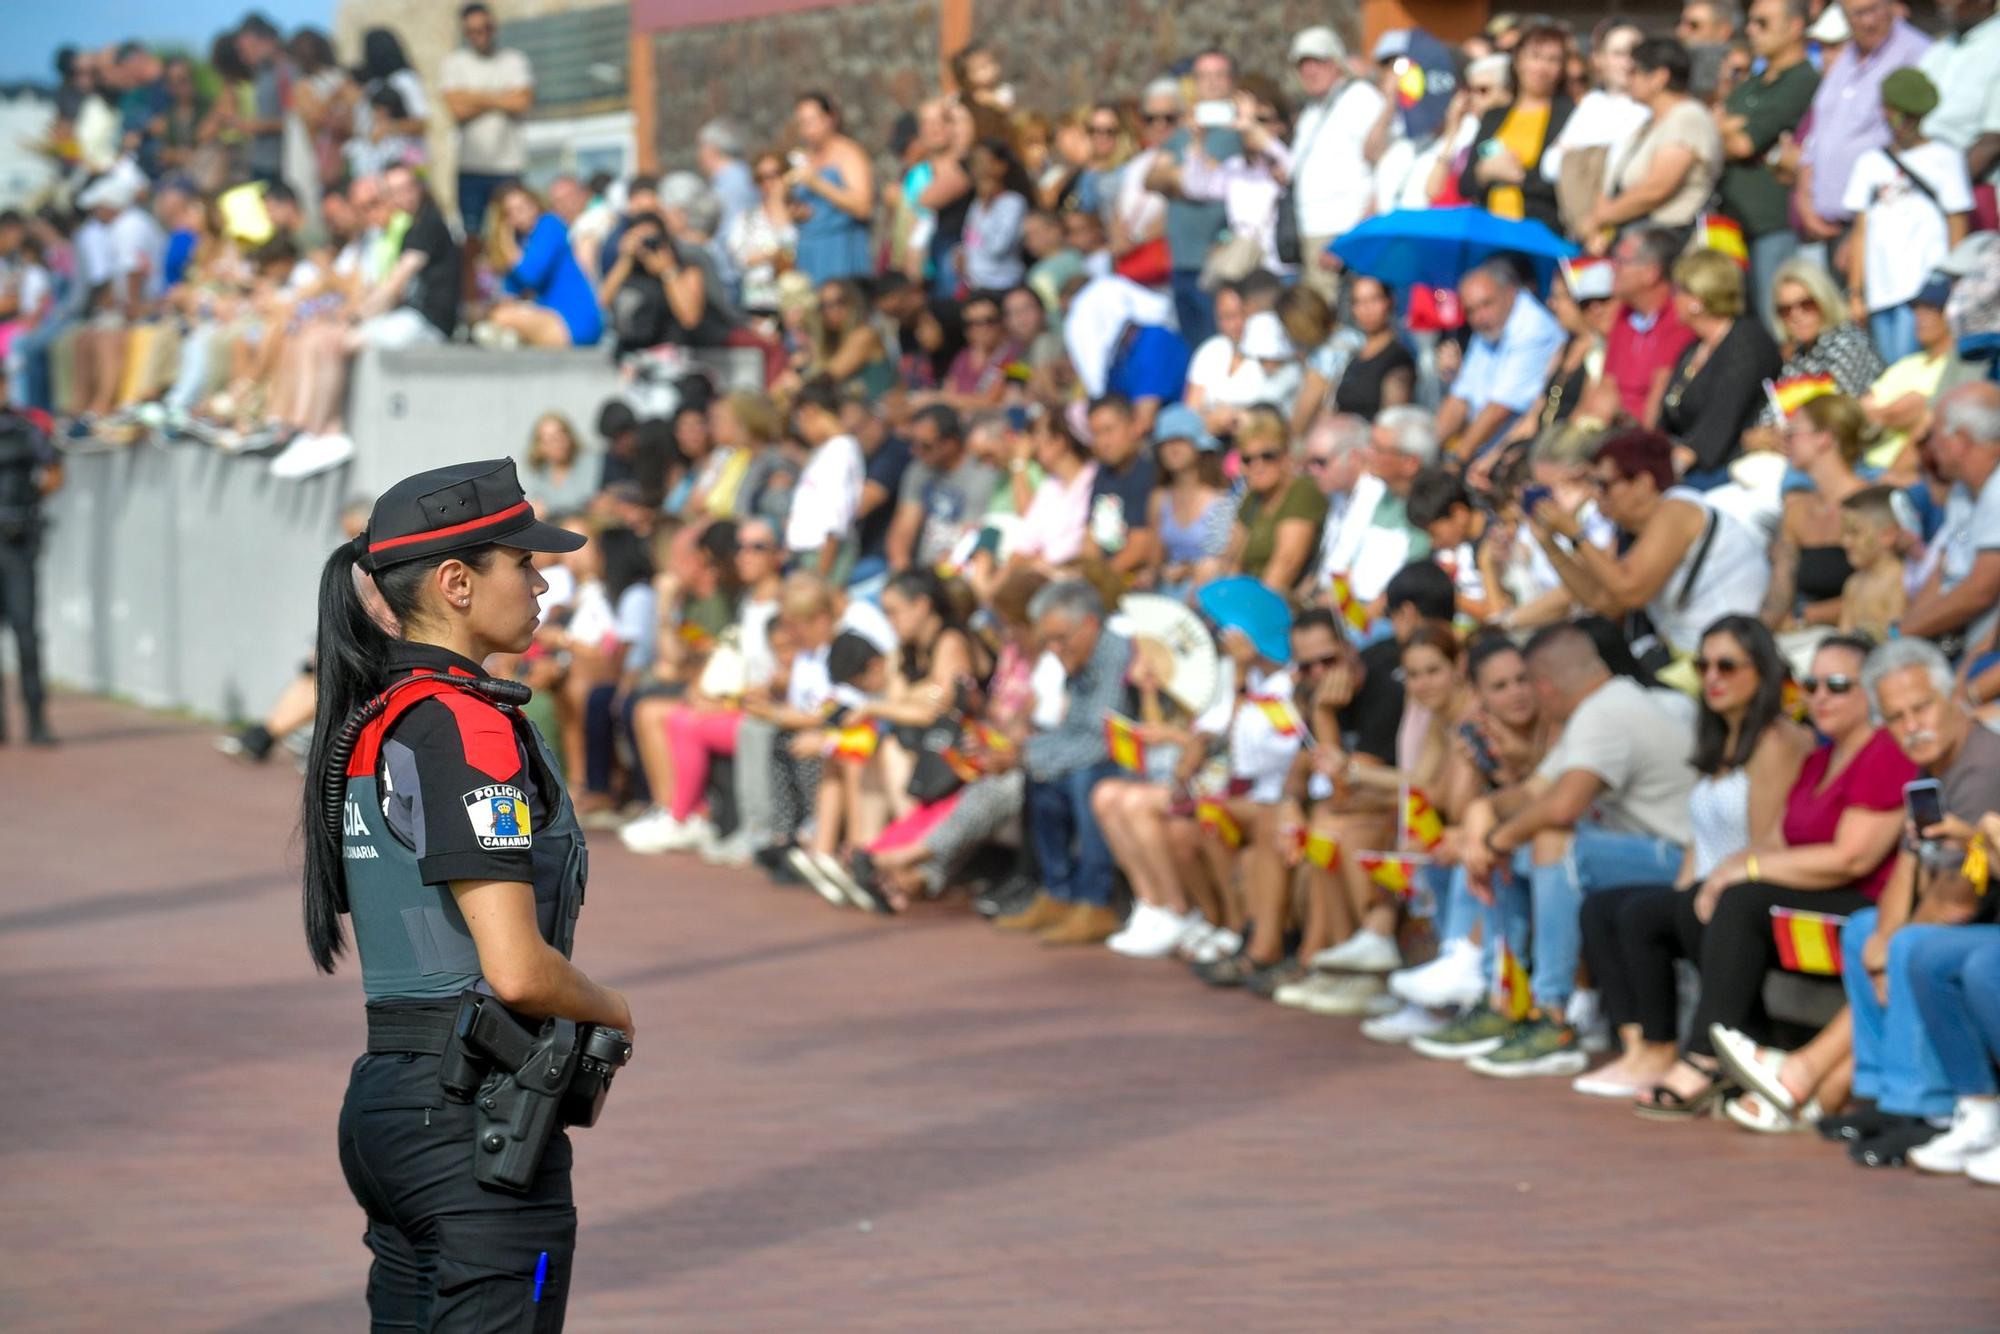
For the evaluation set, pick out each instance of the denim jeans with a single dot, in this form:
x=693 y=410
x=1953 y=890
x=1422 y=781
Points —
x=1955 y=981
x=1597 y=859
x=1193 y=308
x=1506 y=918
x=1894 y=331
x=1768 y=254
x=1894 y=1061
x=1059 y=814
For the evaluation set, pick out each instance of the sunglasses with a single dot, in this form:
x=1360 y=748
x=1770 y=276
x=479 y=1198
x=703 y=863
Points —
x=1269 y=457
x=1318 y=664
x=1720 y=666
x=1104 y=129
x=1787 y=309
x=1836 y=684
x=1160 y=117
x=1319 y=460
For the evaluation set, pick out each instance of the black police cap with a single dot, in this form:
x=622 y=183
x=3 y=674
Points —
x=451 y=509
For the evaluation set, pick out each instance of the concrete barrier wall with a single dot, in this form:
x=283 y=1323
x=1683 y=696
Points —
x=179 y=577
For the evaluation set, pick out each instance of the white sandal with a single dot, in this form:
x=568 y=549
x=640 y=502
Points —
x=1756 y=1068
x=1755 y=1113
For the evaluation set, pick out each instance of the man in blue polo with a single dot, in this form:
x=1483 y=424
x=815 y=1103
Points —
x=1514 y=342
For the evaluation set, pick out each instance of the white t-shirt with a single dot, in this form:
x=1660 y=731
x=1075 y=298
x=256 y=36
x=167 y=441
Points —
x=1601 y=120
x=139 y=246
x=1632 y=740
x=1258 y=749
x=1978 y=531
x=759 y=665
x=1907 y=235
x=491 y=142
x=1333 y=181
x=1732 y=581
x=828 y=495
x=1240 y=388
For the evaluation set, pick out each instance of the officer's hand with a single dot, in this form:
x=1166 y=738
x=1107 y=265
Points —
x=622 y=1007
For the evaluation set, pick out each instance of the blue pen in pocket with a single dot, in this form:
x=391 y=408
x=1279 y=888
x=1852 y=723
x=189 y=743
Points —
x=541 y=1274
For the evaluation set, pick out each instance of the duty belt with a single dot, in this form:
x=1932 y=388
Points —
x=414 y=1026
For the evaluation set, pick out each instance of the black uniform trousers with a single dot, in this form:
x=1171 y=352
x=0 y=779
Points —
x=18 y=556
x=450 y=1254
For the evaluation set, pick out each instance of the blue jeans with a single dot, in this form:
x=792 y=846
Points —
x=1768 y=254
x=1955 y=981
x=1894 y=331
x=1059 y=813
x=1193 y=308
x=1597 y=859
x=475 y=191
x=1894 y=1061
x=1506 y=918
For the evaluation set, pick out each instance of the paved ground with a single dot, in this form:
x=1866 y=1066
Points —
x=838 y=1123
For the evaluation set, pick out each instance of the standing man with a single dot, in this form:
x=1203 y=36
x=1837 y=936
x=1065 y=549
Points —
x=1333 y=174
x=270 y=80
x=1963 y=65
x=29 y=470
x=1758 y=113
x=1847 y=117
x=1194 y=225
x=488 y=89
x=718 y=151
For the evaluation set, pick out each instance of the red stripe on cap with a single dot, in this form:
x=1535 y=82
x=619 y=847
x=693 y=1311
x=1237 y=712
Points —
x=512 y=511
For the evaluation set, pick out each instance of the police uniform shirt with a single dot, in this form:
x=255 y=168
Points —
x=457 y=788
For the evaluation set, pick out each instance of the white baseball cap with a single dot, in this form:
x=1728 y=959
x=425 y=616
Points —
x=1318 y=43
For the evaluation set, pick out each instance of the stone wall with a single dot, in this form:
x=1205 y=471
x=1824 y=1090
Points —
x=880 y=57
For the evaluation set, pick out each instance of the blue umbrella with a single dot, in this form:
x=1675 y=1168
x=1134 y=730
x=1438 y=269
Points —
x=1437 y=246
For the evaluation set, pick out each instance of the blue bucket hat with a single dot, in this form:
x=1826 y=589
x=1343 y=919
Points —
x=1178 y=421
x=1241 y=603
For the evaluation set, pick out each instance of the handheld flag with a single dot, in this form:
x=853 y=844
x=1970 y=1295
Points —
x=1808 y=942
x=1976 y=869
x=1795 y=391
x=1512 y=996
x=1398 y=875
x=1422 y=822
x=1216 y=819
x=1351 y=608
x=1713 y=231
x=855 y=743
x=1121 y=736
x=1284 y=719
x=1322 y=851
x=1793 y=701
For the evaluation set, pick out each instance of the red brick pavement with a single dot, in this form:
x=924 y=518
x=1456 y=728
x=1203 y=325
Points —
x=840 y=1123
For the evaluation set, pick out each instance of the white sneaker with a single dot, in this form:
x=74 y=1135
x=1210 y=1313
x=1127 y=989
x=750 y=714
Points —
x=731 y=851
x=689 y=834
x=1220 y=944
x=1451 y=981
x=1398 y=1027
x=1975 y=1128
x=1298 y=995
x=1135 y=925
x=831 y=867
x=310 y=455
x=1363 y=952
x=650 y=833
x=1151 y=934
x=1347 y=996
x=815 y=875
x=1585 y=1014
x=1984 y=1167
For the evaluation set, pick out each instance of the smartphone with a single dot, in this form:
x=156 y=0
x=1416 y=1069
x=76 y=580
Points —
x=1483 y=758
x=1018 y=417
x=1217 y=115
x=1533 y=496
x=1925 y=800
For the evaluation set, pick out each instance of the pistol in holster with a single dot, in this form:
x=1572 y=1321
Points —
x=525 y=1082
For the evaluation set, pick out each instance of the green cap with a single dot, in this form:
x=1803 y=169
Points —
x=1911 y=92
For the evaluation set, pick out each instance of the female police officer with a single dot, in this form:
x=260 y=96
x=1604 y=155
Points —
x=434 y=816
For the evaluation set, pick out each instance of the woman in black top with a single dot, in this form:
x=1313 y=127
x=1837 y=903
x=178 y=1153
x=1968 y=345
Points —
x=1499 y=177
x=1383 y=373
x=1717 y=386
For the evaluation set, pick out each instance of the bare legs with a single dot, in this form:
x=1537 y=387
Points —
x=535 y=326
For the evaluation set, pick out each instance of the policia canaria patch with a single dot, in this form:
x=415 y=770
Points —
x=499 y=816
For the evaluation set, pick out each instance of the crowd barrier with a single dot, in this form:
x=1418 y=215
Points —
x=179 y=577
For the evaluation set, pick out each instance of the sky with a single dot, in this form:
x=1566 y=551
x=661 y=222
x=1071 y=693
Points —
x=31 y=30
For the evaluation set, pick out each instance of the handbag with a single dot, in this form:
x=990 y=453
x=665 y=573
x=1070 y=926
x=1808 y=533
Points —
x=1148 y=264
x=1231 y=260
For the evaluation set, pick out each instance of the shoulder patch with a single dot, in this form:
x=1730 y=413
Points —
x=490 y=744
x=499 y=817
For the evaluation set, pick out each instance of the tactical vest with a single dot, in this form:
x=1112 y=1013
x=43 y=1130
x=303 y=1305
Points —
x=20 y=489
x=411 y=937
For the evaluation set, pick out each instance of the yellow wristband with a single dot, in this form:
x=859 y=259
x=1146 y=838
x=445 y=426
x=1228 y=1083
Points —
x=1750 y=865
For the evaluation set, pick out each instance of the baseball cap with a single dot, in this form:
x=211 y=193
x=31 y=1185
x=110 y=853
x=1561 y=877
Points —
x=1910 y=91
x=455 y=508
x=1178 y=421
x=1977 y=252
x=1318 y=43
x=1935 y=292
x=1830 y=28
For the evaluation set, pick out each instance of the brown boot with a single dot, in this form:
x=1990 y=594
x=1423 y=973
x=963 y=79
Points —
x=1045 y=910
x=1086 y=924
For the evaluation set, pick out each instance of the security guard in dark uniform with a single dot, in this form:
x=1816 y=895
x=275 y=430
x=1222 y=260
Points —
x=435 y=817
x=29 y=470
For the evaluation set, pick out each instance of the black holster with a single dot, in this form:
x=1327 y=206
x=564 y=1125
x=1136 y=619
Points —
x=525 y=1082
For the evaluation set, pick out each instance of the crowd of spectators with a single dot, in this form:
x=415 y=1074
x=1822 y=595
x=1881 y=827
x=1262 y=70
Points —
x=1570 y=654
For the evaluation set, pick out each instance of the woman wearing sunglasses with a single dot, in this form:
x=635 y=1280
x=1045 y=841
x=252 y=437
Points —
x=1278 y=523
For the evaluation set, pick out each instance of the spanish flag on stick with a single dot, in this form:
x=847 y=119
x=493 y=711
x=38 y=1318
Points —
x=1795 y=391
x=855 y=743
x=1351 y=609
x=1808 y=942
x=1977 y=869
x=1793 y=701
x=1284 y=719
x=1713 y=231
x=1215 y=818
x=1422 y=822
x=1398 y=875
x=1512 y=996
x=1121 y=736
x=1322 y=851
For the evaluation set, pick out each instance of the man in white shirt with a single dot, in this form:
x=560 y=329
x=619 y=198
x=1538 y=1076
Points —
x=487 y=89
x=1375 y=538
x=1963 y=64
x=1333 y=173
x=1506 y=368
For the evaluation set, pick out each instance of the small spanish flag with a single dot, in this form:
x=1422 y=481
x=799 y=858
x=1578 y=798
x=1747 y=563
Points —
x=1713 y=231
x=1216 y=819
x=694 y=636
x=1284 y=719
x=1795 y=391
x=1808 y=942
x=1322 y=851
x=1512 y=995
x=1122 y=737
x=1976 y=868
x=855 y=743
x=1398 y=875
x=1793 y=701
x=1422 y=821
x=1351 y=609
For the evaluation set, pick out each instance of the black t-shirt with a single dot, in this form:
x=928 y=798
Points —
x=434 y=291
x=1360 y=388
x=457 y=787
x=885 y=467
x=1369 y=723
x=1119 y=502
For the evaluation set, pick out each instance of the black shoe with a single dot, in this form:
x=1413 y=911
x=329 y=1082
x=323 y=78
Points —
x=1263 y=983
x=1891 y=1148
x=1866 y=1120
x=1010 y=896
x=40 y=735
x=775 y=865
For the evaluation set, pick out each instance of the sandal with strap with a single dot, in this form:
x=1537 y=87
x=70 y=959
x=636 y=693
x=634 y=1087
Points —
x=1669 y=1104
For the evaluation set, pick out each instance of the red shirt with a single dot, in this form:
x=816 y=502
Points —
x=1633 y=357
x=1872 y=780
